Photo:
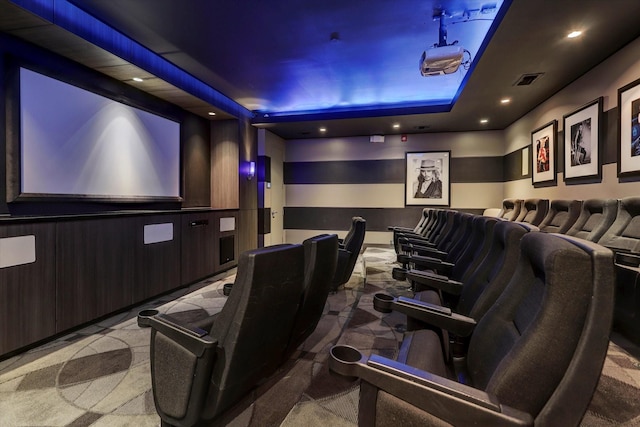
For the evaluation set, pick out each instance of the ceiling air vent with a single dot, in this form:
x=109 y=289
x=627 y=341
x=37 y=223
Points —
x=527 y=79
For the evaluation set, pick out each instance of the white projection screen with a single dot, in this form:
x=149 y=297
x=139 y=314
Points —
x=76 y=143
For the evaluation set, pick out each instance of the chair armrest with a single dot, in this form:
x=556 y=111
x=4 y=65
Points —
x=429 y=251
x=196 y=340
x=436 y=315
x=443 y=267
x=452 y=287
x=182 y=358
x=400 y=229
x=452 y=402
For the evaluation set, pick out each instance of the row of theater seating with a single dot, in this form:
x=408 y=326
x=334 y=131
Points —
x=508 y=326
x=612 y=223
x=202 y=368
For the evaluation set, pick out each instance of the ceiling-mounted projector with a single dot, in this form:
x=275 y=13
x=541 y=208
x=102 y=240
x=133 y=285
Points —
x=440 y=60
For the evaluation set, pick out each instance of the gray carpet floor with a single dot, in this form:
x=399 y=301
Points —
x=99 y=375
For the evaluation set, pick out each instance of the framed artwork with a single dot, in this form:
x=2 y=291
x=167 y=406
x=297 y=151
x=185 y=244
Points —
x=543 y=149
x=582 y=142
x=629 y=130
x=427 y=181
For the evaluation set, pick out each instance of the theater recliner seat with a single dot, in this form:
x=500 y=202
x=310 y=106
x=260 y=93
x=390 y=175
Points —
x=197 y=374
x=348 y=253
x=596 y=216
x=533 y=211
x=623 y=237
x=320 y=257
x=510 y=209
x=561 y=216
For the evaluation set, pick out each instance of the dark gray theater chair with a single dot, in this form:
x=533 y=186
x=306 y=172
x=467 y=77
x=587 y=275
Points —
x=561 y=216
x=533 y=211
x=510 y=209
x=196 y=375
x=320 y=258
x=348 y=253
x=623 y=237
x=596 y=216
x=534 y=359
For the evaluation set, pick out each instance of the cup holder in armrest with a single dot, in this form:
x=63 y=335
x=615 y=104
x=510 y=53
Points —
x=629 y=260
x=383 y=302
x=144 y=316
x=226 y=289
x=344 y=360
x=399 y=273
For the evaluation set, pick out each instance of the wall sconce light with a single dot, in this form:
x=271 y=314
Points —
x=252 y=171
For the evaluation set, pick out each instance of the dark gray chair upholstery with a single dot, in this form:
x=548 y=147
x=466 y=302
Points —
x=596 y=216
x=561 y=216
x=196 y=375
x=320 y=258
x=533 y=359
x=623 y=237
x=348 y=253
x=470 y=295
x=510 y=209
x=533 y=211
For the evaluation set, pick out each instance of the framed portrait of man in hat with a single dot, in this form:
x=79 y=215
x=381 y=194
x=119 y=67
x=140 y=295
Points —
x=427 y=178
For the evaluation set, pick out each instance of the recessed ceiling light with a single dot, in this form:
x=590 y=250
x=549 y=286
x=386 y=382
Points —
x=323 y=129
x=574 y=34
x=137 y=79
x=484 y=121
x=396 y=125
x=505 y=100
x=211 y=113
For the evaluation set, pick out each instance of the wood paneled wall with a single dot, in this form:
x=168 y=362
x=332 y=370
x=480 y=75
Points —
x=225 y=165
x=89 y=267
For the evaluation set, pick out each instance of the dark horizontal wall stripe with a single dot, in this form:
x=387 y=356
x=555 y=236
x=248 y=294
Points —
x=513 y=166
x=477 y=169
x=392 y=171
x=378 y=219
x=610 y=136
x=346 y=172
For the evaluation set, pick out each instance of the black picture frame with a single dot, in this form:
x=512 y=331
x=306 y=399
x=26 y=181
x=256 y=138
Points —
x=544 y=146
x=629 y=130
x=427 y=178
x=583 y=142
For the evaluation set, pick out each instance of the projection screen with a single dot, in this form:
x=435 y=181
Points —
x=78 y=143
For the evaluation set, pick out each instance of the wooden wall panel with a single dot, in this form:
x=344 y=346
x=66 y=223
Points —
x=218 y=265
x=224 y=165
x=27 y=292
x=247 y=230
x=196 y=162
x=158 y=265
x=95 y=272
x=198 y=246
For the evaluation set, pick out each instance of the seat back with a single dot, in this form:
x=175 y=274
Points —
x=320 y=259
x=481 y=290
x=541 y=346
x=533 y=211
x=561 y=216
x=479 y=245
x=251 y=339
x=348 y=254
x=624 y=233
x=510 y=209
x=596 y=216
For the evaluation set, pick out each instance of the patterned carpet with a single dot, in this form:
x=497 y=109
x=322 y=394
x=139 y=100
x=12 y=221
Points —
x=99 y=376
